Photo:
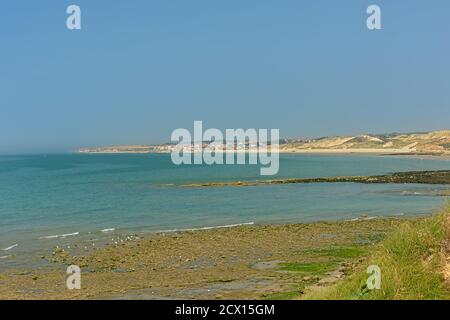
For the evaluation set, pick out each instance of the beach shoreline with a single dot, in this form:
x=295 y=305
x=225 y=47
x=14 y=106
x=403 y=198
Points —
x=240 y=262
x=325 y=152
x=435 y=143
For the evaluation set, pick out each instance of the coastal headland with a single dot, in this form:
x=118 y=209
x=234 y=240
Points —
x=436 y=143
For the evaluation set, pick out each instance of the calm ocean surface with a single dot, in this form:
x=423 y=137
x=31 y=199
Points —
x=48 y=200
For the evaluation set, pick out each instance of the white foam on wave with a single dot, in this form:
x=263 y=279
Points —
x=362 y=218
x=60 y=236
x=5 y=257
x=49 y=237
x=208 y=228
x=108 y=230
x=11 y=247
x=69 y=234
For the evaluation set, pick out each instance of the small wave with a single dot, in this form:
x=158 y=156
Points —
x=60 y=236
x=69 y=234
x=108 y=230
x=11 y=247
x=5 y=257
x=362 y=219
x=208 y=228
x=49 y=237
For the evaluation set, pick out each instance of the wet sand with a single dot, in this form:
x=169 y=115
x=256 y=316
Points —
x=245 y=262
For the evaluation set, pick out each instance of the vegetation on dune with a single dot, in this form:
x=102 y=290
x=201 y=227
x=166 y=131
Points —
x=416 y=142
x=446 y=146
x=413 y=263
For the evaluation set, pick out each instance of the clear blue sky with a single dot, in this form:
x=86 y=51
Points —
x=139 y=69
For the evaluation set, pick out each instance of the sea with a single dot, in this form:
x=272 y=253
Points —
x=49 y=200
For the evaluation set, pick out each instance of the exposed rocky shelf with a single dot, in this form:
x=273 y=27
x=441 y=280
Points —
x=422 y=177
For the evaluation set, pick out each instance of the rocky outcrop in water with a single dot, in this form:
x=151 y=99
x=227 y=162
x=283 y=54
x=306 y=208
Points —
x=422 y=177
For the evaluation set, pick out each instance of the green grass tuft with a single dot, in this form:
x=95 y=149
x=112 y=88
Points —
x=338 y=252
x=281 y=295
x=410 y=260
x=309 y=268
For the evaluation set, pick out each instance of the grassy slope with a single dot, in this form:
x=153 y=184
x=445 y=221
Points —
x=411 y=262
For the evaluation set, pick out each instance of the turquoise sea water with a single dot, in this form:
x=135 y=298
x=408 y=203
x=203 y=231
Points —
x=48 y=200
